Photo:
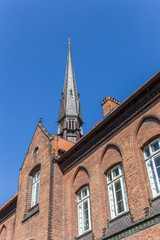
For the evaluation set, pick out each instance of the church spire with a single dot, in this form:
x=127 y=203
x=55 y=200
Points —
x=70 y=116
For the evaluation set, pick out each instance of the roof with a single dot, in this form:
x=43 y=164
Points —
x=64 y=144
x=117 y=112
x=9 y=202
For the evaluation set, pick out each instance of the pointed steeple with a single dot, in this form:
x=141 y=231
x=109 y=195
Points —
x=70 y=116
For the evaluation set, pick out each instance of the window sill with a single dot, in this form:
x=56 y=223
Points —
x=85 y=234
x=155 y=198
x=119 y=216
x=31 y=212
x=32 y=208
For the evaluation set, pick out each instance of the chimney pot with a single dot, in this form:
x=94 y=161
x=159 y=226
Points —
x=108 y=104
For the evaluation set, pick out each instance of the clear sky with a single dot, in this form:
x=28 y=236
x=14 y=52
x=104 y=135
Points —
x=115 y=48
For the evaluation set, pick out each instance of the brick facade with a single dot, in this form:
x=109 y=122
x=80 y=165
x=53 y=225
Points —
x=65 y=169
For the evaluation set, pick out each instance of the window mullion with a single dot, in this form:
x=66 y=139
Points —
x=82 y=217
x=148 y=171
x=115 y=198
x=89 y=213
x=79 y=217
x=122 y=189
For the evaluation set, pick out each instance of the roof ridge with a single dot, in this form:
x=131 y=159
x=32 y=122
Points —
x=45 y=131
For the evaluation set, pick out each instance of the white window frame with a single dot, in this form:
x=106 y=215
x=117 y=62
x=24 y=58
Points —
x=150 y=160
x=113 y=201
x=80 y=203
x=35 y=189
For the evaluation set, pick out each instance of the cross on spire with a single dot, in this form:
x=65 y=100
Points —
x=70 y=116
x=69 y=41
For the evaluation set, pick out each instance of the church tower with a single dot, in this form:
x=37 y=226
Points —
x=70 y=116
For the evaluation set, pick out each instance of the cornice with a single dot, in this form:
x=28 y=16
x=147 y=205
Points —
x=134 y=228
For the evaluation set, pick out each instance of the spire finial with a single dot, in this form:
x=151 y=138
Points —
x=40 y=120
x=69 y=41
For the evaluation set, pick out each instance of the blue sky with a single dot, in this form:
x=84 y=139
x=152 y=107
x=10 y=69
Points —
x=115 y=48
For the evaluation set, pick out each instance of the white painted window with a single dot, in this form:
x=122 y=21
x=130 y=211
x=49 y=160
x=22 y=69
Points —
x=35 y=189
x=84 y=212
x=117 y=191
x=152 y=158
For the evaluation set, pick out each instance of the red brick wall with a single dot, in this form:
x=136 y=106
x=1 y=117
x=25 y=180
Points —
x=37 y=226
x=57 y=204
x=7 y=228
x=126 y=147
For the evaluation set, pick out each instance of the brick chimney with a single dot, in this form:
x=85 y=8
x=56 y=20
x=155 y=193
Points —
x=109 y=104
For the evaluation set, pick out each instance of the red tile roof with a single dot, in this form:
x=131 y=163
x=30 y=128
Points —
x=10 y=200
x=64 y=144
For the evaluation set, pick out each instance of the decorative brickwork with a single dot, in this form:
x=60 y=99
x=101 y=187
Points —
x=86 y=236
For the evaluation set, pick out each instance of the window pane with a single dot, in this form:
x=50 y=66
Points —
x=155 y=146
x=120 y=207
x=37 y=192
x=33 y=194
x=38 y=175
x=158 y=173
x=109 y=177
x=79 y=196
x=34 y=178
x=152 y=178
x=112 y=201
x=119 y=195
x=80 y=214
x=85 y=214
x=117 y=185
x=147 y=152
x=115 y=172
x=80 y=226
x=85 y=205
x=84 y=192
x=86 y=225
x=157 y=163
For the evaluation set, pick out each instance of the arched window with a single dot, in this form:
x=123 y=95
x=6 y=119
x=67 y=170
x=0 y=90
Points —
x=152 y=158
x=84 y=212
x=35 y=189
x=71 y=124
x=35 y=152
x=117 y=191
x=3 y=233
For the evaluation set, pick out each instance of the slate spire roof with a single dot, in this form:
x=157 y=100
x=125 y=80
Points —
x=70 y=102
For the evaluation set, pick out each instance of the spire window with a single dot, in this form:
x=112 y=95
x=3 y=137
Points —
x=71 y=124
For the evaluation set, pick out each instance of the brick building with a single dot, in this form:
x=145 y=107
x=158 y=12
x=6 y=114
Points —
x=103 y=185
